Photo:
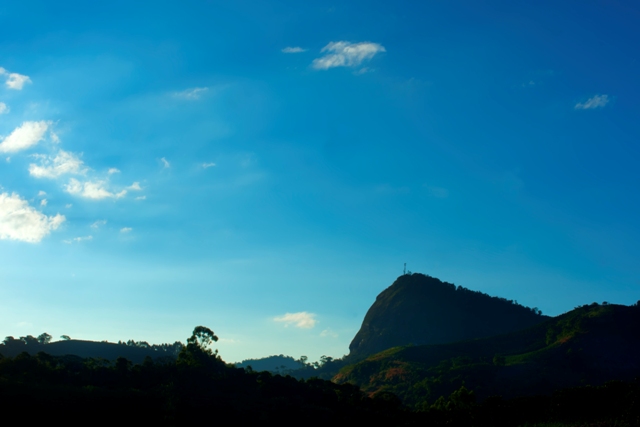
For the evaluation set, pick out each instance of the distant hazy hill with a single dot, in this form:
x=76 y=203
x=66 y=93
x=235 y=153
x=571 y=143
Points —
x=277 y=364
x=586 y=346
x=418 y=309
x=91 y=349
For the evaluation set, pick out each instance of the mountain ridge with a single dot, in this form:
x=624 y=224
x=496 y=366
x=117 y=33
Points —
x=419 y=309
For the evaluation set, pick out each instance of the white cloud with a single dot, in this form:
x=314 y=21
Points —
x=111 y=171
x=208 y=165
x=43 y=202
x=52 y=167
x=25 y=136
x=193 y=93
x=3 y=108
x=92 y=190
x=99 y=223
x=299 y=320
x=54 y=137
x=165 y=163
x=68 y=205
x=134 y=187
x=19 y=221
x=126 y=229
x=16 y=81
x=345 y=54
x=596 y=101
x=78 y=239
x=295 y=49
x=8 y=159
x=41 y=193
x=141 y=198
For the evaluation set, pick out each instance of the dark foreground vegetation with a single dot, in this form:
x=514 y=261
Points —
x=450 y=357
x=198 y=387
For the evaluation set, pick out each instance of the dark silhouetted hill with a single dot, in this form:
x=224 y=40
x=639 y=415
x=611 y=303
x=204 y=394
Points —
x=418 y=309
x=135 y=352
x=276 y=364
x=587 y=346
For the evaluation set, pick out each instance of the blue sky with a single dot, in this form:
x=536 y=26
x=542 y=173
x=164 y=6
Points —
x=266 y=168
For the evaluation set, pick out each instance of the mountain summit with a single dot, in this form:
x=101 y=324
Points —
x=418 y=309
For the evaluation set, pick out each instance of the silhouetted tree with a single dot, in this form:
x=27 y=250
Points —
x=30 y=340
x=44 y=338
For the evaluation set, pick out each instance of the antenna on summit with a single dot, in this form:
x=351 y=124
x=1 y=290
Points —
x=404 y=272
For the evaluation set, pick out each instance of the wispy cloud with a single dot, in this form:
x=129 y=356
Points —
x=301 y=319
x=141 y=198
x=134 y=187
x=362 y=71
x=98 y=223
x=78 y=239
x=192 y=93
x=25 y=136
x=95 y=190
x=3 y=108
x=208 y=165
x=597 y=101
x=19 y=221
x=346 y=54
x=52 y=167
x=43 y=202
x=41 y=193
x=126 y=229
x=14 y=81
x=328 y=333
x=296 y=49
x=165 y=163
x=111 y=171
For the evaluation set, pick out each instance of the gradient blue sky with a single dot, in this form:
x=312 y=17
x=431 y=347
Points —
x=265 y=168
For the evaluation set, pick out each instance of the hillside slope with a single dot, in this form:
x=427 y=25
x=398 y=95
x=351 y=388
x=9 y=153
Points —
x=418 y=309
x=91 y=349
x=586 y=346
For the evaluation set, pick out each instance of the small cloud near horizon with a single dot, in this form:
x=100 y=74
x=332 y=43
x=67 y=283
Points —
x=301 y=319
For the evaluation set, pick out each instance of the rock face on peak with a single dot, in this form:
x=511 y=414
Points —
x=418 y=309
